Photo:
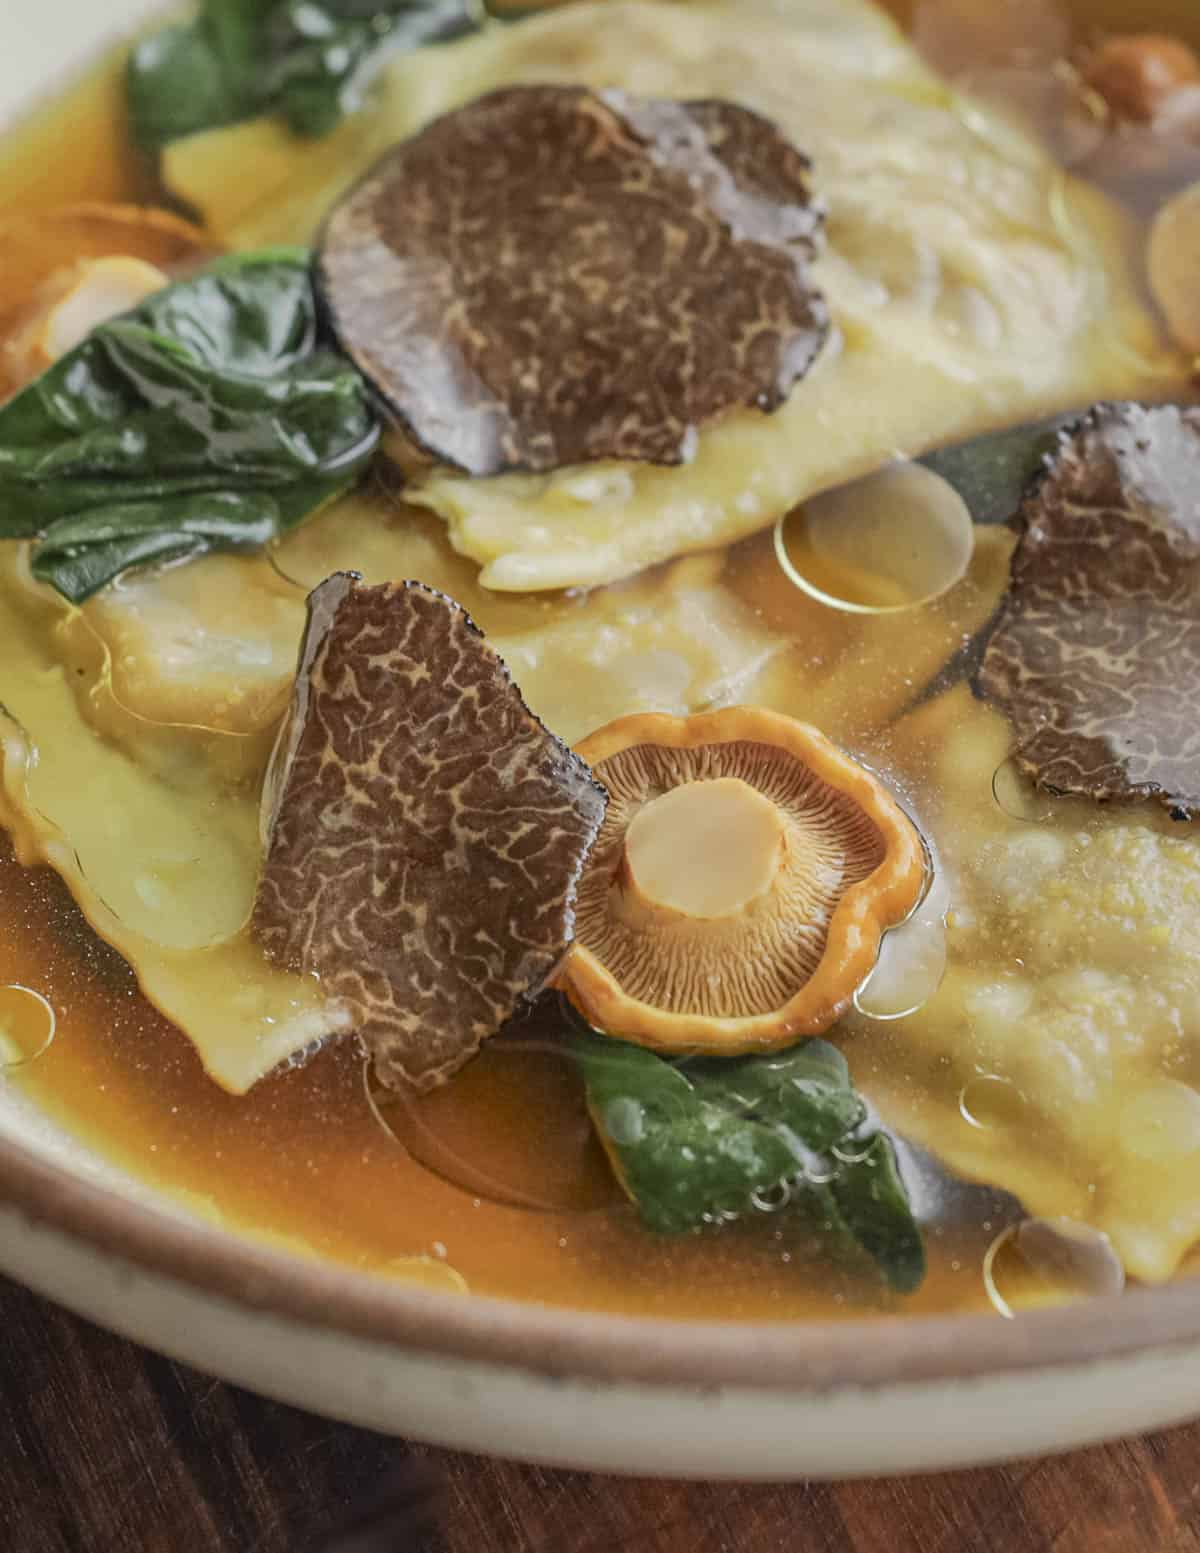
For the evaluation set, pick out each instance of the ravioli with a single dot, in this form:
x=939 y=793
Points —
x=158 y=843
x=971 y=283
x=1058 y=1059
x=168 y=689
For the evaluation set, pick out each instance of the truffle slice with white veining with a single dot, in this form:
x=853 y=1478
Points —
x=424 y=833
x=1095 y=657
x=550 y=276
x=741 y=884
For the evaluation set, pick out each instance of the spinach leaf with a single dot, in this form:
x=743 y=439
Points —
x=868 y=1198
x=324 y=57
x=698 y=1142
x=211 y=417
x=992 y=473
x=194 y=75
x=309 y=60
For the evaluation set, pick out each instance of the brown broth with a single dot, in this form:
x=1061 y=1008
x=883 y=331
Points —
x=302 y=1159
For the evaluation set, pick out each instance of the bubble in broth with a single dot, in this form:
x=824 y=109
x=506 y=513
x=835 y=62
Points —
x=992 y=1101
x=426 y=1272
x=1047 y=1262
x=892 y=541
x=525 y=1098
x=27 y=1026
x=912 y=956
x=1017 y=797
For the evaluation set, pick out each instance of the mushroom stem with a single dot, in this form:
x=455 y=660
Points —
x=703 y=850
x=100 y=290
x=742 y=880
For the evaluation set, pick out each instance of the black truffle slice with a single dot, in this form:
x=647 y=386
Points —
x=550 y=276
x=1095 y=657
x=424 y=833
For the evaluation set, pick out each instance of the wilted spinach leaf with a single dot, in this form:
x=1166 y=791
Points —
x=309 y=60
x=697 y=1141
x=992 y=473
x=211 y=417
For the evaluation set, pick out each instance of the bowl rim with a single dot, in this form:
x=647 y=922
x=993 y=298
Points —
x=557 y=1342
x=561 y=1343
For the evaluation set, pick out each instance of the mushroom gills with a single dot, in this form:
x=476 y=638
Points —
x=741 y=884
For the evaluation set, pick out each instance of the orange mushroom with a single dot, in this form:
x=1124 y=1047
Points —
x=69 y=268
x=741 y=884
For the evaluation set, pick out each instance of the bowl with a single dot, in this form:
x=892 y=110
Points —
x=688 y=1399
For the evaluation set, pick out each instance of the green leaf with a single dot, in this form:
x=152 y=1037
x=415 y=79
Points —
x=312 y=61
x=697 y=1142
x=871 y=1202
x=177 y=84
x=210 y=417
x=324 y=57
x=992 y=473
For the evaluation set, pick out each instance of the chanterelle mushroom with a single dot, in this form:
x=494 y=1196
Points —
x=551 y=275
x=68 y=268
x=424 y=832
x=741 y=883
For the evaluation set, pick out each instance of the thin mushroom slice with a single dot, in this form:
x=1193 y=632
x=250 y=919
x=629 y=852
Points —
x=551 y=276
x=1095 y=656
x=741 y=883
x=423 y=832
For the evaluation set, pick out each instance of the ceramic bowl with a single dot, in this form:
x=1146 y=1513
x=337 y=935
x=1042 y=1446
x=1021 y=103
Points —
x=687 y=1399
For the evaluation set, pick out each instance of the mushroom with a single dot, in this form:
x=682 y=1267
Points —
x=741 y=883
x=423 y=832
x=1095 y=654
x=550 y=276
x=94 y=291
x=67 y=268
x=1138 y=73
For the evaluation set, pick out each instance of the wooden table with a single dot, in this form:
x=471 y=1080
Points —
x=105 y=1448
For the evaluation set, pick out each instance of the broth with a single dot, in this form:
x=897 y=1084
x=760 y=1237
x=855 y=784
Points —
x=303 y=1161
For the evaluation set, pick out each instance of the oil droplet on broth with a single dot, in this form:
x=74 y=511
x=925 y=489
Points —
x=1046 y=1262
x=27 y=1026
x=525 y=1098
x=426 y=1272
x=912 y=957
x=1017 y=797
x=992 y=1101
x=894 y=540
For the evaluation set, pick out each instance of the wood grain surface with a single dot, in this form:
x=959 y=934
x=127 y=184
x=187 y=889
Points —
x=106 y=1448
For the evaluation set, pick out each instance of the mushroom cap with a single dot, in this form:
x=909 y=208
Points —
x=780 y=958
x=550 y=276
x=44 y=259
x=424 y=833
x=1095 y=654
x=98 y=289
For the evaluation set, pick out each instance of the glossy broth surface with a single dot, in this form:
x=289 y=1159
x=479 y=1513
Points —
x=498 y=1186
